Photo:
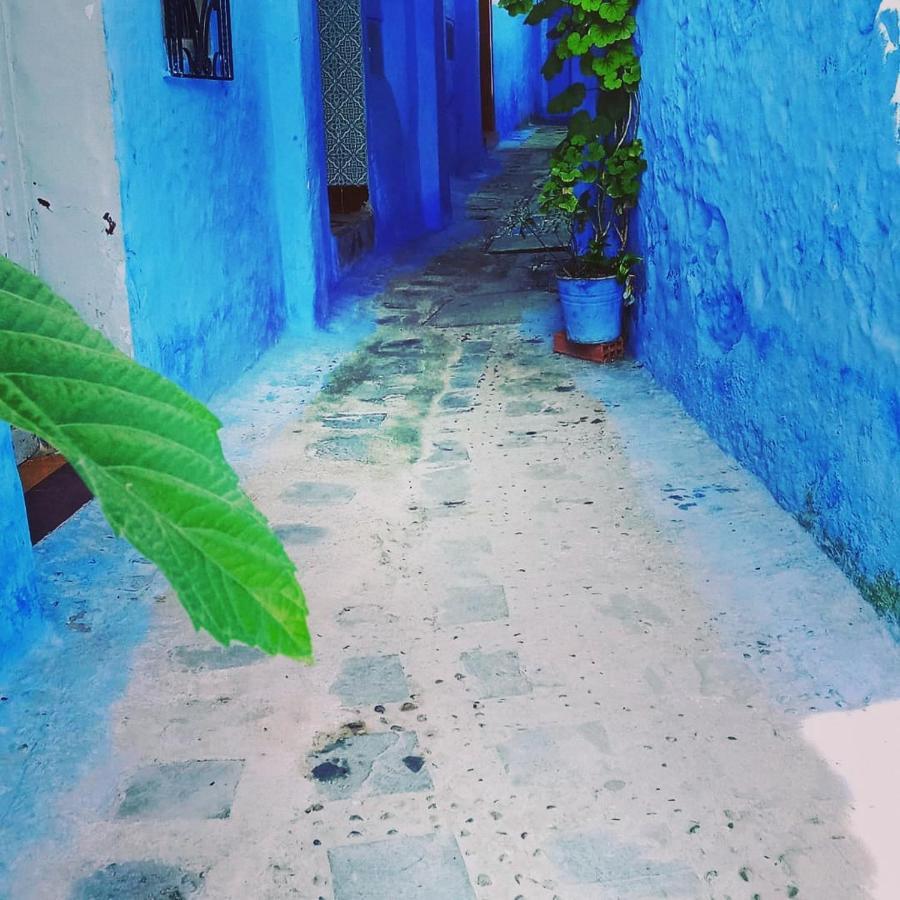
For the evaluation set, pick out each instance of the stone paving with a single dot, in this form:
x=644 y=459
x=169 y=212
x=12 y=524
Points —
x=566 y=648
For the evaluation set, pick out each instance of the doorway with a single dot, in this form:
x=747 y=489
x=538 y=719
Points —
x=346 y=133
x=344 y=99
x=486 y=52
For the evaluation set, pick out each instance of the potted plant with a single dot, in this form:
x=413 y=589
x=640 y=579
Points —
x=595 y=173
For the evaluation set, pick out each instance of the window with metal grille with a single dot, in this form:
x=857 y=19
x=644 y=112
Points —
x=198 y=38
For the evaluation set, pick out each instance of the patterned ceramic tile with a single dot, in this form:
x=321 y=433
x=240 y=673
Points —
x=343 y=88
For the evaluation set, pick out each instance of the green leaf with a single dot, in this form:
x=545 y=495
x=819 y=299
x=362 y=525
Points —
x=516 y=7
x=583 y=127
x=572 y=97
x=552 y=67
x=151 y=455
x=617 y=67
x=542 y=10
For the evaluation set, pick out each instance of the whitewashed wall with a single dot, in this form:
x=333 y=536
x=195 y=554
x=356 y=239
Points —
x=57 y=147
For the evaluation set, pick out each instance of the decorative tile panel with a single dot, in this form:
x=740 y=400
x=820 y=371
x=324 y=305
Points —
x=344 y=93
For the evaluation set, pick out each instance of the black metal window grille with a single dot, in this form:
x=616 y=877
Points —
x=198 y=38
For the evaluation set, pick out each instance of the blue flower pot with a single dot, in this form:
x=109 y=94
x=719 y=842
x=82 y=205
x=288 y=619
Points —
x=592 y=309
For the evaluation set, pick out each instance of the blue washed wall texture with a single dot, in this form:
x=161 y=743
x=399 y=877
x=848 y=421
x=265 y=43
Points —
x=18 y=599
x=408 y=159
x=769 y=222
x=463 y=86
x=433 y=125
x=519 y=91
x=221 y=191
x=296 y=155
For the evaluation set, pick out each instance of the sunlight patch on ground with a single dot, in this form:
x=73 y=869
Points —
x=862 y=747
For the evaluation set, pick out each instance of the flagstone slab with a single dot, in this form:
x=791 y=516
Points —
x=371 y=680
x=477 y=601
x=497 y=674
x=409 y=868
x=319 y=493
x=621 y=869
x=138 y=881
x=210 y=659
x=369 y=765
x=200 y=789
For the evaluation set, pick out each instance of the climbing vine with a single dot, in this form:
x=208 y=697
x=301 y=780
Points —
x=595 y=173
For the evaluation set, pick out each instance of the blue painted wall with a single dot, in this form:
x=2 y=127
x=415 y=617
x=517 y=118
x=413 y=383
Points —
x=463 y=86
x=408 y=149
x=518 y=84
x=224 y=222
x=18 y=597
x=770 y=221
x=433 y=124
x=296 y=154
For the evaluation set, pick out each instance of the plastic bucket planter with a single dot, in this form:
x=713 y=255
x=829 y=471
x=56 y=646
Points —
x=592 y=309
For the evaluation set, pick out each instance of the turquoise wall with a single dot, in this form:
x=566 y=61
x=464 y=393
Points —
x=296 y=154
x=223 y=215
x=769 y=222
x=18 y=597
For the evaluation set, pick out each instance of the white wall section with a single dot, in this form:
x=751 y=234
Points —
x=889 y=29
x=58 y=169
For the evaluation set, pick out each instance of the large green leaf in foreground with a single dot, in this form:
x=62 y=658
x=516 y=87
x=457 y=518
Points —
x=151 y=455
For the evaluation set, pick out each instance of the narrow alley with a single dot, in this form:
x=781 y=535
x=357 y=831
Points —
x=565 y=646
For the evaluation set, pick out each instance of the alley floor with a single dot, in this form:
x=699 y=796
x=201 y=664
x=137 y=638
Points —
x=566 y=647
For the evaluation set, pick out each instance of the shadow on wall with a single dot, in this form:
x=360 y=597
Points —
x=465 y=138
x=391 y=86
x=409 y=157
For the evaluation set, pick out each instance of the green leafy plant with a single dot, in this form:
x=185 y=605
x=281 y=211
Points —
x=595 y=173
x=151 y=455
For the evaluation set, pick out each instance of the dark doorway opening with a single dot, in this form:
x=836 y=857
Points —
x=53 y=493
x=346 y=200
x=486 y=32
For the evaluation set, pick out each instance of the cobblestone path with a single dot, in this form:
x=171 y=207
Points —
x=566 y=647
